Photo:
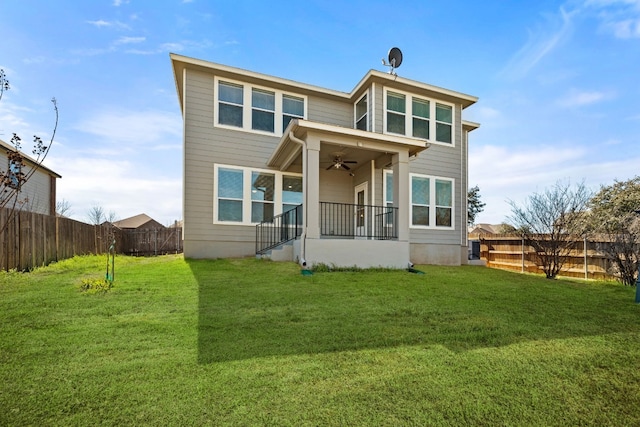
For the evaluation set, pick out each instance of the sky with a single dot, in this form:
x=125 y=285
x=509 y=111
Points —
x=558 y=84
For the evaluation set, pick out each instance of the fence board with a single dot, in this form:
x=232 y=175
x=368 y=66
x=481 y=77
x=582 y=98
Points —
x=509 y=252
x=32 y=240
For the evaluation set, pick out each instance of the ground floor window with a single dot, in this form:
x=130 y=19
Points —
x=248 y=196
x=431 y=200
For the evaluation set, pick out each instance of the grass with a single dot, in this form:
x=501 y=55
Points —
x=250 y=342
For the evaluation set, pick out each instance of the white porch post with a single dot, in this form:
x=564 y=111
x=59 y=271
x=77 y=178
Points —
x=401 y=188
x=312 y=188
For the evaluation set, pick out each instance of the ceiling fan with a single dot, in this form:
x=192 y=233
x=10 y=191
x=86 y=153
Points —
x=338 y=163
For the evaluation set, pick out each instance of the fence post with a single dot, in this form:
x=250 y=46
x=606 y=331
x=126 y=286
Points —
x=523 y=254
x=586 y=265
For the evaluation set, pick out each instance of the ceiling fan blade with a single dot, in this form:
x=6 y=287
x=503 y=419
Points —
x=349 y=161
x=345 y=167
x=331 y=166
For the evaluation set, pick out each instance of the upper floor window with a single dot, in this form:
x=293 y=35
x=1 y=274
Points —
x=230 y=97
x=256 y=109
x=362 y=110
x=413 y=116
x=292 y=108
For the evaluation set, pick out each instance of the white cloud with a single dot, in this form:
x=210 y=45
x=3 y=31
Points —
x=126 y=127
x=101 y=23
x=618 y=17
x=117 y=186
x=129 y=40
x=541 y=43
x=505 y=173
x=581 y=98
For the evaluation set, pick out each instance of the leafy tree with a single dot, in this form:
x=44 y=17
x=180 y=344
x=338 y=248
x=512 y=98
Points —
x=19 y=170
x=551 y=222
x=614 y=214
x=474 y=205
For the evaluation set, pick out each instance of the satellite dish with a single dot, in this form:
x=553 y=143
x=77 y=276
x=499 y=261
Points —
x=395 y=60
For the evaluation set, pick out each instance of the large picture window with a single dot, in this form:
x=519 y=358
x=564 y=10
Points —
x=245 y=196
x=256 y=109
x=413 y=116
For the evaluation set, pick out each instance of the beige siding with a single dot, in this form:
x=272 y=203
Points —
x=35 y=194
x=207 y=145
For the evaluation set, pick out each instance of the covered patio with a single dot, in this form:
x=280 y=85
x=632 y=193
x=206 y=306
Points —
x=346 y=223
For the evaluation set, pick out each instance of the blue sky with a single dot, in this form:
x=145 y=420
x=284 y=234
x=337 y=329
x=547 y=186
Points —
x=558 y=82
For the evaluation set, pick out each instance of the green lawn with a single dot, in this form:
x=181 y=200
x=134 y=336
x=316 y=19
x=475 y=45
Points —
x=249 y=342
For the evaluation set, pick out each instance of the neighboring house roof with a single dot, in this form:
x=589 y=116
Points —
x=30 y=161
x=181 y=62
x=136 y=221
x=485 y=229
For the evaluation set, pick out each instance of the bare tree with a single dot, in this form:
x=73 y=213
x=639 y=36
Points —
x=552 y=222
x=63 y=208
x=13 y=179
x=96 y=215
x=614 y=215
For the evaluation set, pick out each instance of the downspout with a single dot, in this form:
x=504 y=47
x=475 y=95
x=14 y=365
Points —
x=305 y=208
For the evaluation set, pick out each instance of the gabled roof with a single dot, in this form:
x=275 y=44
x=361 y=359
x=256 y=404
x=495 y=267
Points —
x=180 y=63
x=135 y=221
x=30 y=161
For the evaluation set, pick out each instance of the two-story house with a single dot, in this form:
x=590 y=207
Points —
x=373 y=177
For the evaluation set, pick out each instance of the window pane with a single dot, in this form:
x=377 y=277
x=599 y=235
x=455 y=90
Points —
x=292 y=105
x=395 y=102
x=420 y=108
x=443 y=193
x=443 y=133
x=262 y=186
x=262 y=120
x=389 y=187
x=261 y=211
x=230 y=93
x=444 y=113
x=420 y=215
x=395 y=123
x=361 y=114
x=286 y=120
x=443 y=217
x=420 y=190
x=420 y=128
x=292 y=190
x=263 y=99
x=230 y=115
x=230 y=210
x=361 y=107
x=230 y=183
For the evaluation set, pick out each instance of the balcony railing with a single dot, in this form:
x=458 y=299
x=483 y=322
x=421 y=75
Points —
x=358 y=221
x=278 y=230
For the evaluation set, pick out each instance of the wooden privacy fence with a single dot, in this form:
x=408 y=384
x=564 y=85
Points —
x=32 y=240
x=586 y=259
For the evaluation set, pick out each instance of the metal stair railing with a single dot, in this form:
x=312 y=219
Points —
x=278 y=230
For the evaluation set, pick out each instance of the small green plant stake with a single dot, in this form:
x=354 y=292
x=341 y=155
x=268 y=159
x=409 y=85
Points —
x=111 y=260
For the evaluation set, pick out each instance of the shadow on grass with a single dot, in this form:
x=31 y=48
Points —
x=251 y=308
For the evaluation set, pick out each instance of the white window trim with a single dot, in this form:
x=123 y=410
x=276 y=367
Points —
x=246 y=192
x=247 y=107
x=368 y=113
x=432 y=202
x=408 y=117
